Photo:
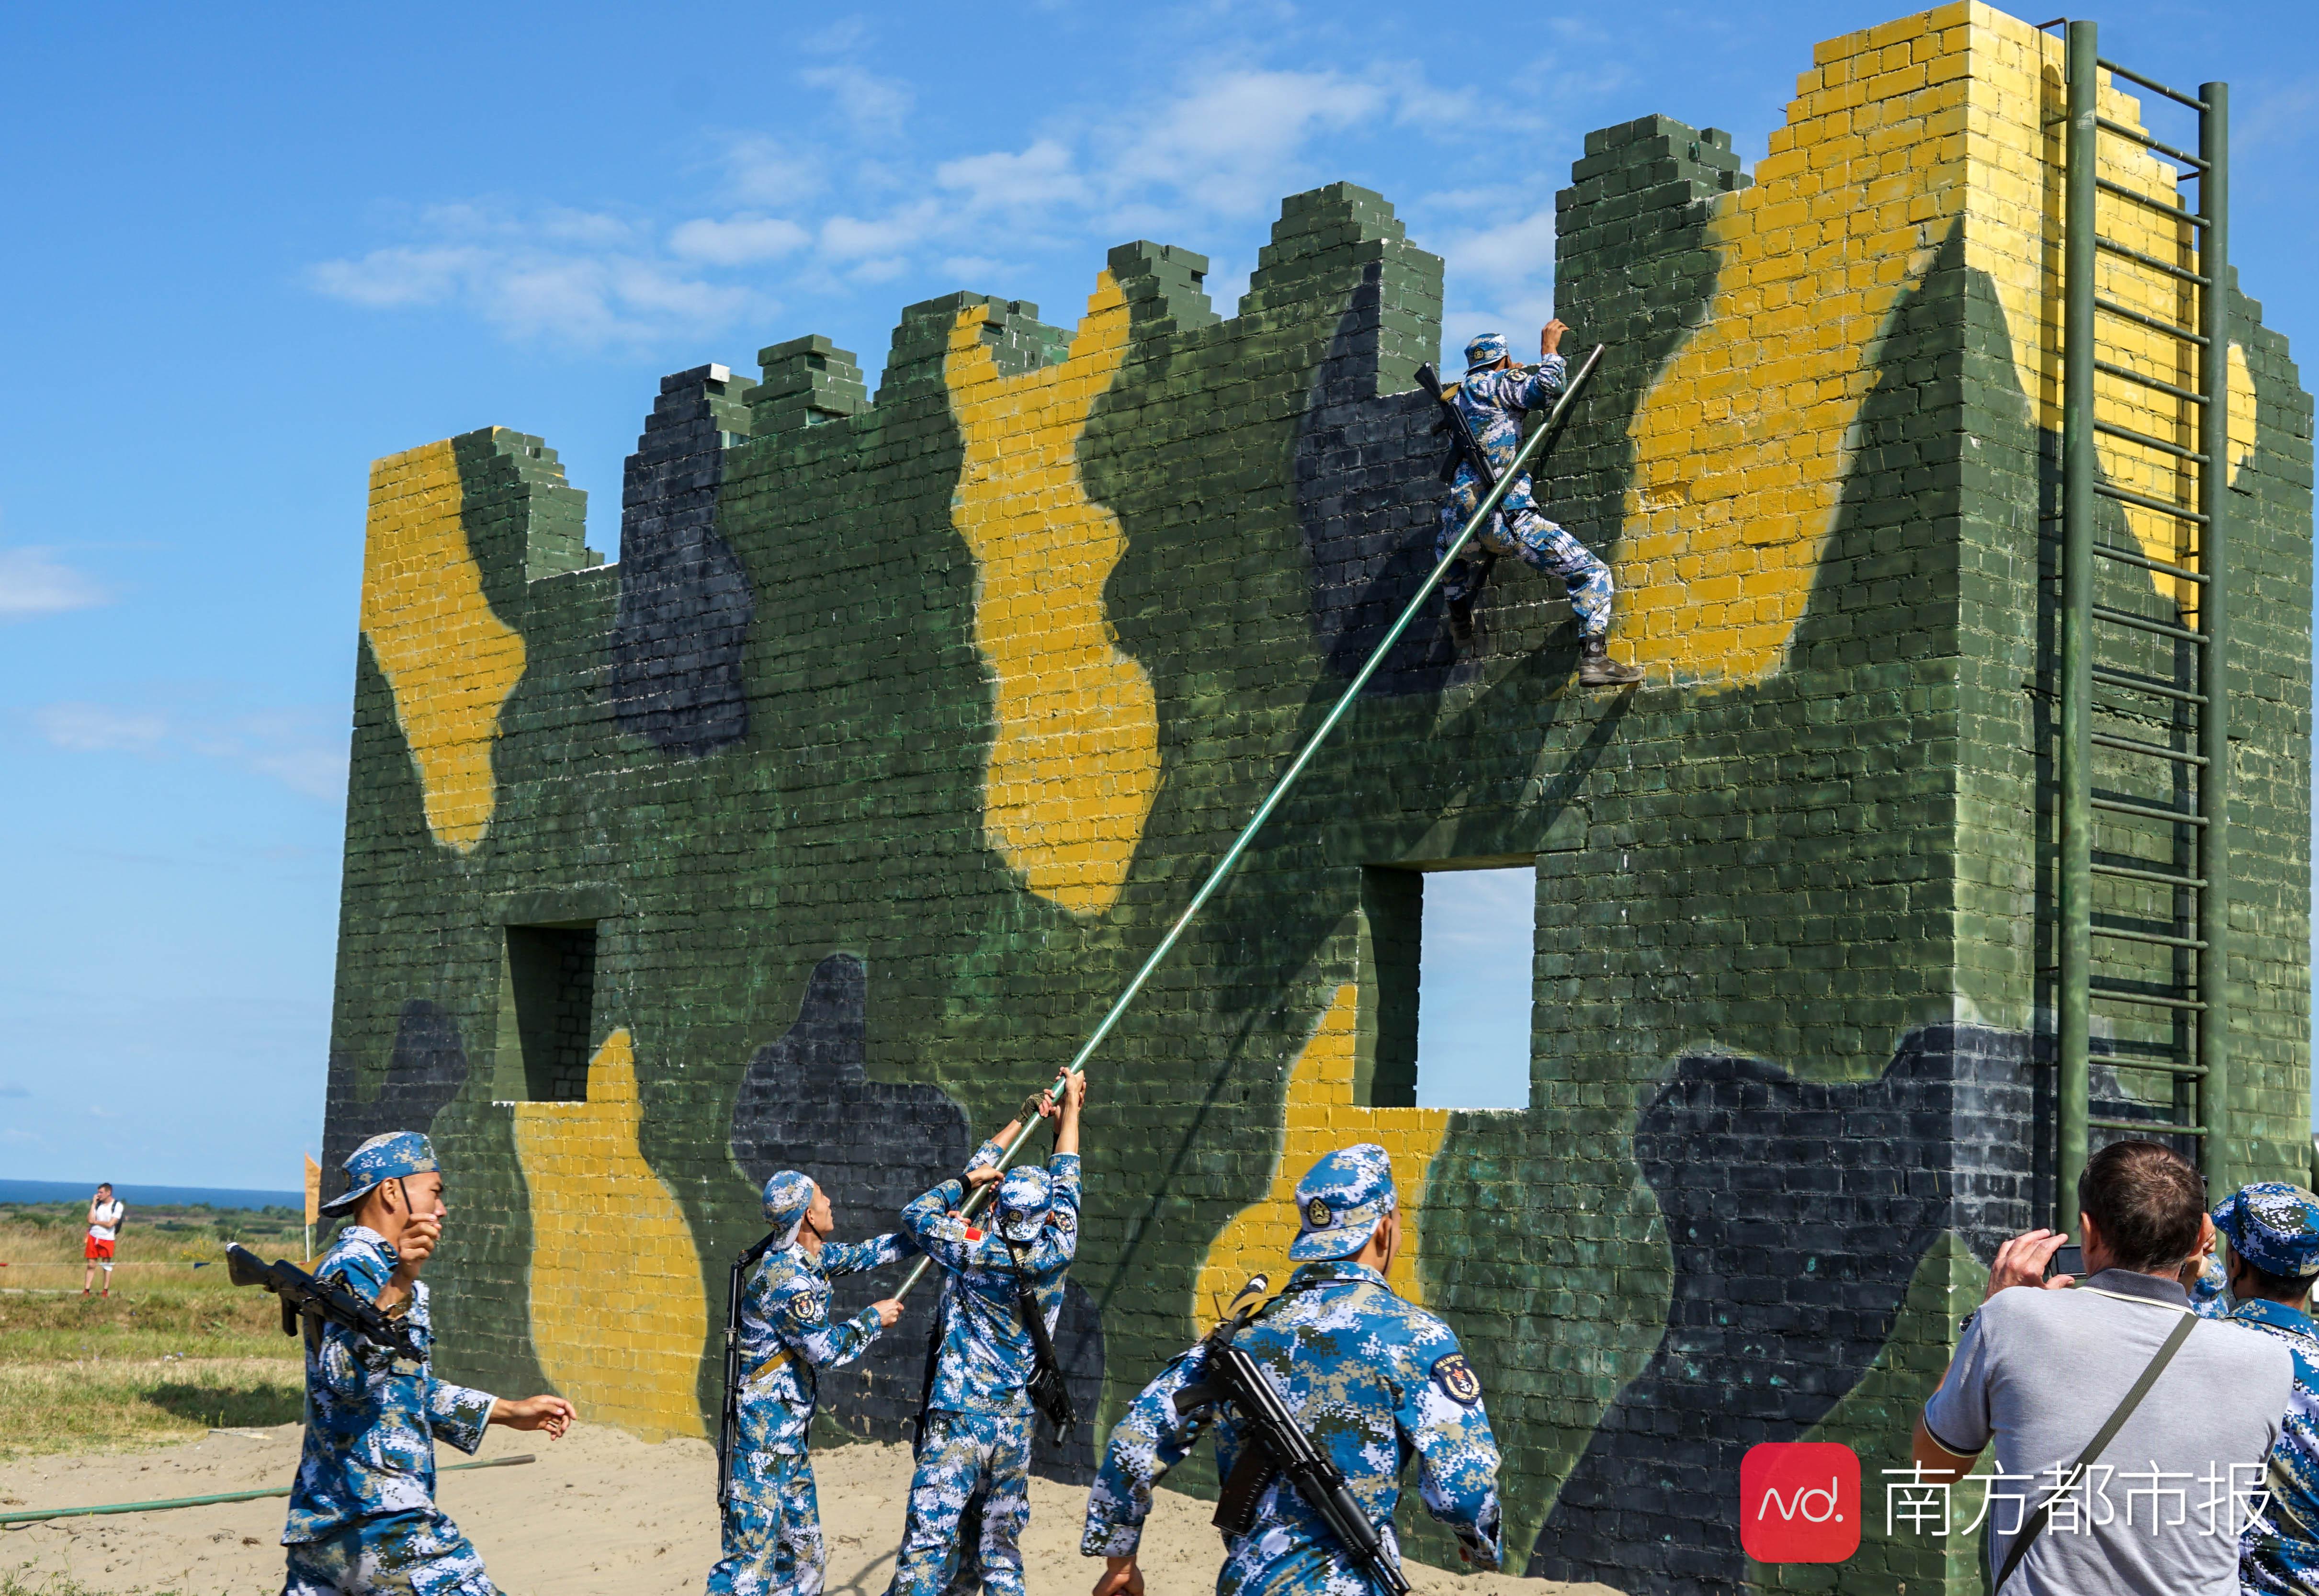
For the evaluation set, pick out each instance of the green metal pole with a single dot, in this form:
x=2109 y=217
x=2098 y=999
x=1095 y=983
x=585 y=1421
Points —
x=2074 y=1023
x=1535 y=447
x=2214 y=605
x=40 y=1515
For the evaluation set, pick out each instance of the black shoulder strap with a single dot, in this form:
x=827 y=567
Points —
x=1033 y=1316
x=933 y=1355
x=2102 y=1437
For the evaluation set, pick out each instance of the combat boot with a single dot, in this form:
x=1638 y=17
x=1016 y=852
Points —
x=1596 y=668
x=1461 y=619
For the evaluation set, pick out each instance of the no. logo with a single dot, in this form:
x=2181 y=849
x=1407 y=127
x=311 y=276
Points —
x=1316 y=1214
x=1800 y=1502
x=1459 y=1379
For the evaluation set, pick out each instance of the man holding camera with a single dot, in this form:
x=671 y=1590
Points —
x=362 y=1517
x=974 y=1436
x=2084 y=1391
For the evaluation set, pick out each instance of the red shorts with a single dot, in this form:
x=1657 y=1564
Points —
x=97 y=1252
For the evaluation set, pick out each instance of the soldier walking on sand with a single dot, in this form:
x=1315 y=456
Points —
x=1494 y=398
x=362 y=1518
x=974 y=1442
x=773 y=1517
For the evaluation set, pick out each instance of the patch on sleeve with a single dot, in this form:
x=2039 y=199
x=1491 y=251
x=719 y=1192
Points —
x=1458 y=1378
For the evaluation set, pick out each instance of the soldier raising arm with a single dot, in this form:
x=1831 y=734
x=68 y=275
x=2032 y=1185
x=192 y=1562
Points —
x=1373 y=1379
x=975 y=1436
x=362 y=1514
x=772 y=1516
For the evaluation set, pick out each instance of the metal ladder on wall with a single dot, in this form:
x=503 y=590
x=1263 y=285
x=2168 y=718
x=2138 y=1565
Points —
x=2143 y=868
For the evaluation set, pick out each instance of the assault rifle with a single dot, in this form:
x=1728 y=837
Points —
x=303 y=1297
x=1278 y=1446
x=729 y=1422
x=1464 y=448
x=1463 y=445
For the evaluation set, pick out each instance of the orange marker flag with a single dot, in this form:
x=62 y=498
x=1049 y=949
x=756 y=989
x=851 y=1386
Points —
x=313 y=1201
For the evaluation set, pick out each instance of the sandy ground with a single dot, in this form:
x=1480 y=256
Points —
x=600 y=1514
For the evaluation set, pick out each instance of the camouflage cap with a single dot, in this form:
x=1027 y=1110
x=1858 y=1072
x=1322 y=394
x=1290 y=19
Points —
x=384 y=1157
x=1486 y=349
x=1023 y=1200
x=787 y=1197
x=1339 y=1201
x=2274 y=1226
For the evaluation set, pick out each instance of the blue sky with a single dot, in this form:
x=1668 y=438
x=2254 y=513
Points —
x=257 y=249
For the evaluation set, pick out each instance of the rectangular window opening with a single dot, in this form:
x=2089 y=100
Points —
x=1448 y=973
x=547 y=1009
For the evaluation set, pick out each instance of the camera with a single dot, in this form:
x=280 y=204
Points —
x=2069 y=1260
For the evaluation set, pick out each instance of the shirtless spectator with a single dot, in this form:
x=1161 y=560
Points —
x=105 y=1213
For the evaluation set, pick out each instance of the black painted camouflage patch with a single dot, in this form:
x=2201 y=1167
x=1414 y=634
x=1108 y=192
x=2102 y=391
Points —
x=1458 y=1378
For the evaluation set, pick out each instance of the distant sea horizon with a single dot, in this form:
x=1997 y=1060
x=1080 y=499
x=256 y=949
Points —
x=133 y=1192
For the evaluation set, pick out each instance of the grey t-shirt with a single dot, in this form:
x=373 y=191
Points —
x=2040 y=1371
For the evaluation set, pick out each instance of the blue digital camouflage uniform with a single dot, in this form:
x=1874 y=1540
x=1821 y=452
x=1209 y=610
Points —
x=1493 y=404
x=977 y=1443
x=362 y=1512
x=2276 y=1227
x=772 y=1519
x=1373 y=1380
x=2210 y=1294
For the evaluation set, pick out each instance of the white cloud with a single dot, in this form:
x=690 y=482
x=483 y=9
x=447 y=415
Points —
x=1223 y=144
x=737 y=240
x=575 y=277
x=1227 y=146
x=98 y=728
x=299 y=748
x=975 y=268
x=852 y=237
x=1515 y=251
x=875 y=106
x=1504 y=278
x=761 y=171
x=317 y=773
x=386 y=279
x=1042 y=174
x=32 y=582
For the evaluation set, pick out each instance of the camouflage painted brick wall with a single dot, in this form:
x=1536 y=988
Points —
x=858 y=788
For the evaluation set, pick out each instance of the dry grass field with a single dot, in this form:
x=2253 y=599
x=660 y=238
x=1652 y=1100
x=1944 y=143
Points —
x=173 y=1352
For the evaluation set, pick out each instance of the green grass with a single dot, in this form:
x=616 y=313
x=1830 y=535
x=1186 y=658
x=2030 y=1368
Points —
x=21 y=1581
x=172 y=1352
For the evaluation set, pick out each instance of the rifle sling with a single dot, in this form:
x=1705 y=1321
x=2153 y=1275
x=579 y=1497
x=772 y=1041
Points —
x=1046 y=1367
x=2102 y=1437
